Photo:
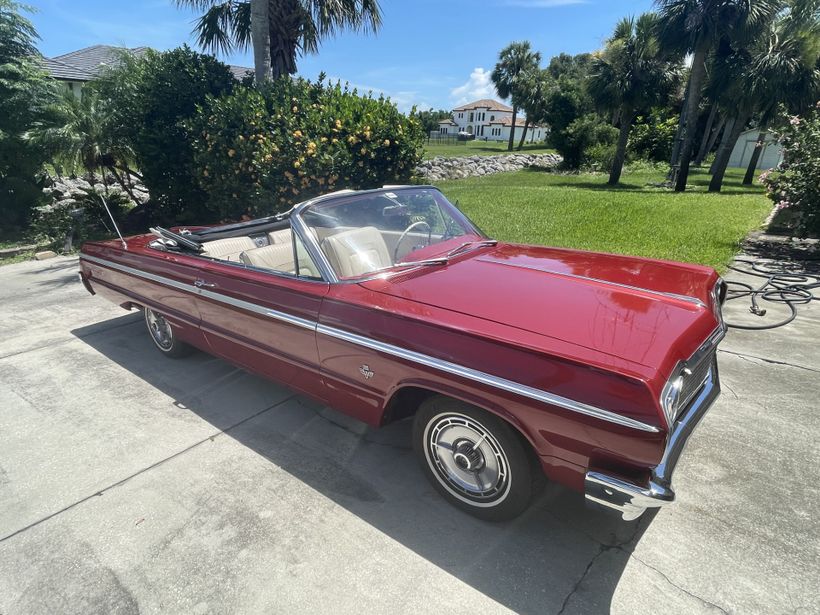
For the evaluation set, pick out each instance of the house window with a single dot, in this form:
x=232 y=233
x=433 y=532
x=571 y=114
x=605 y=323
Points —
x=470 y=119
x=492 y=118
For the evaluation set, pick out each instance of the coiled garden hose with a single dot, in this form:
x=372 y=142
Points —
x=784 y=283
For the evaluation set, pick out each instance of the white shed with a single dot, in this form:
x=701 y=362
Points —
x=771 y=156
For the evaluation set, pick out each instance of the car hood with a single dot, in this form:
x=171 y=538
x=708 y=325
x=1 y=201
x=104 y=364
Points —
x=636 y=309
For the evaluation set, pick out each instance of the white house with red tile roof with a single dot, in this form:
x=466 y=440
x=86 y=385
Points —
x=489 y=120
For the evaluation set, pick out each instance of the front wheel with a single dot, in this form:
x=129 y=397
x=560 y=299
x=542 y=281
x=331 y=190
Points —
x=163 y=335
x=474 y=459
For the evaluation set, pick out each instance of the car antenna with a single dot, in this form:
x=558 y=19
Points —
x=114 y=222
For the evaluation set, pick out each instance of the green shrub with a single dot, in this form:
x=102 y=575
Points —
x=795 y=183
x=653 y=136
x=259 y=152
x=600 y=156
x=149 y=98
x=583 y=134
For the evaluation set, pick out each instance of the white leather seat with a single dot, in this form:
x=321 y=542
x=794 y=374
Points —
x=357 y=251
x=228 y=249
x=278 y=257
x=282 y=236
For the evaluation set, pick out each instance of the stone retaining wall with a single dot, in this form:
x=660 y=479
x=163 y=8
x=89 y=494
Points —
x=440 y=168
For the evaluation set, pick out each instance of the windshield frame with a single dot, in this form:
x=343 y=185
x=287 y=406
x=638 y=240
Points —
x=312 y=244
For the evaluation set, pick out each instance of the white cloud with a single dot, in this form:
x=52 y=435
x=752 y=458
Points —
x=479 y=85
x=543 y=4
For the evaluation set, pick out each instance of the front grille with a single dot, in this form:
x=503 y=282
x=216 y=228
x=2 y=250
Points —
x=692 y=382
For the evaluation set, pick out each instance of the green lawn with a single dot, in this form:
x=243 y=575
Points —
x=479 y=148
x=581 y=211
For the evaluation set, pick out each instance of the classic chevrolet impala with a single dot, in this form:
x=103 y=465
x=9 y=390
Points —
x=514 y=361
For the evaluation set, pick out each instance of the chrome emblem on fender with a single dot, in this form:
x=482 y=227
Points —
x=366 y=371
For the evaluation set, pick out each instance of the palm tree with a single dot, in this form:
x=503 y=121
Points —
x=535 y=88
x=694 y=27
x=781 y=67
x=514 y=62
x=278 y=30
x=630 y=74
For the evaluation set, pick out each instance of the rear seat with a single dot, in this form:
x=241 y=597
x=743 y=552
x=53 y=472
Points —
x=228 y=249
x=282 y=236
x=278 y=257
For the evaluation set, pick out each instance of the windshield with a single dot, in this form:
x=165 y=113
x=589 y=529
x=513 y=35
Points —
x=374 y=231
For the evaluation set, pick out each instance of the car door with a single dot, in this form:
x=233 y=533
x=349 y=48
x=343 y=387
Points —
x=263 y=320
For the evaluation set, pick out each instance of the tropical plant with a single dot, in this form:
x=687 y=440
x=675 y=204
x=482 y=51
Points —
x=260 y=150
x=695 y=27
x=27 y=105
x=632 y=73
x=795 y=184
x=279 y=31
x=535 y=87
x=148 y=98
x=778 y=66
x=508 y=76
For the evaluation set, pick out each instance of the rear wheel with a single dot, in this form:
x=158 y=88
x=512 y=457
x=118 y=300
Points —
x=474 y=459
x=163 y=336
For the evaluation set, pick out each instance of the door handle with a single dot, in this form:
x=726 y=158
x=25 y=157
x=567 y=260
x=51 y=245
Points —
x=203 y=284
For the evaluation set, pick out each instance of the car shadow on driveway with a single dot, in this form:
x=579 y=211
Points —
x=541 y=562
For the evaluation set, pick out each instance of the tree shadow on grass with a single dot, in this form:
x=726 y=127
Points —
x=534 y=564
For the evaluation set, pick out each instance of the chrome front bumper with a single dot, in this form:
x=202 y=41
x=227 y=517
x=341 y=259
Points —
x=631 y=500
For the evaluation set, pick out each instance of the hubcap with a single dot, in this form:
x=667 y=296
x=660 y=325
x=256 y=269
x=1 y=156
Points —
x=467 y=459
x=160 y=329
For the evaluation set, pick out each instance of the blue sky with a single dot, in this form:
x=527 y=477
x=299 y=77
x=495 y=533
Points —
x=433 y=53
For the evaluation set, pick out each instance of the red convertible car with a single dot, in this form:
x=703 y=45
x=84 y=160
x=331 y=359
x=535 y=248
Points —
x=514 y=361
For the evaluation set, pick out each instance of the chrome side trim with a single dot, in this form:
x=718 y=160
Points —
x=245 y=305
x=483 y=378
x=396 y=351
x=686 y=298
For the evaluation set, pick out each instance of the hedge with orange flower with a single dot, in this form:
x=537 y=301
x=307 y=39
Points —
x=259 y=151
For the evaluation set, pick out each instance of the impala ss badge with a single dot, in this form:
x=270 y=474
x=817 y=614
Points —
x=366 y=371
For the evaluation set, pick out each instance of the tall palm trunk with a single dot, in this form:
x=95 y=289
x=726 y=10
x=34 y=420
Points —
x=523 y=135
x=727 y=132
x=711 y=142
x=627 y=117
x=696 y=78
x=707 y=133
x=260 y=38
x=750 y=171
x=512 y=129
x=725 y=151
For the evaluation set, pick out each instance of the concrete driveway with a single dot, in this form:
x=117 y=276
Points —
x=134 y=483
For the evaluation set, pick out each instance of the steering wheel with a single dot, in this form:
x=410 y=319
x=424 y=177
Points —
x=407 y=230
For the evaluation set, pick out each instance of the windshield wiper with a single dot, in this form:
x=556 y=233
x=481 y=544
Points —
x=470 y=244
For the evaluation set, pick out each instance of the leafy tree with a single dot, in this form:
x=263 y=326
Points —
x=148 y=100
x=260 y=150
x=514 y=62
x=278 y=30
x=631 y=73
x=27 y=105
x=695 y=27
x=652 y=135
x=567 y=98
x=430 y=118
x=583 y=135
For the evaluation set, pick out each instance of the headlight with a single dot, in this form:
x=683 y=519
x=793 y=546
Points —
x=670 y=396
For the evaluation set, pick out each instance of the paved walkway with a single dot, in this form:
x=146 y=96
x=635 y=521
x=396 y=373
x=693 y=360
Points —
x=130 y=483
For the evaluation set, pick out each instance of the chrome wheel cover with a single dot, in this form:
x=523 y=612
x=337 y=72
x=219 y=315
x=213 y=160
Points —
x=467 y=459
x=160 y=330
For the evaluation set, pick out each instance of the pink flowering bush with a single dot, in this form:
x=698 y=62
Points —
x=795 y=184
